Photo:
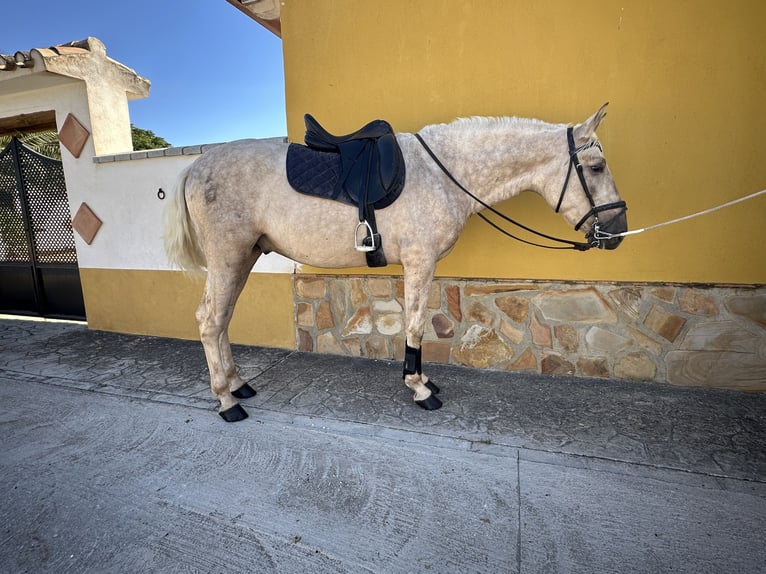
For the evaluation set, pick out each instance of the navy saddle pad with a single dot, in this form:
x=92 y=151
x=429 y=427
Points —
x=319 y=173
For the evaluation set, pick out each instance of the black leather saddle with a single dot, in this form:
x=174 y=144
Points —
x=364 y=168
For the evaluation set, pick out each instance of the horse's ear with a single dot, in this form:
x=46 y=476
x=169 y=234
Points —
x=584 y=131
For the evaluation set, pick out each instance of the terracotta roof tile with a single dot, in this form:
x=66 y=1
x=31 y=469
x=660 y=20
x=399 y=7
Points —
x=24 y=58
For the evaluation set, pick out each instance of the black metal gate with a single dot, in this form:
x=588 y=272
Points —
x=38 y=262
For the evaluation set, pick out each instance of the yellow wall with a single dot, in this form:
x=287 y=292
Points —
x=162 y=303
x=686 y=82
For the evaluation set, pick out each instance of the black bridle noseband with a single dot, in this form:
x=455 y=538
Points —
x=573 y=161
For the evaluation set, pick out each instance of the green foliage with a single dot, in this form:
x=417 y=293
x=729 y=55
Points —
x=47 y=142
x=146 y=139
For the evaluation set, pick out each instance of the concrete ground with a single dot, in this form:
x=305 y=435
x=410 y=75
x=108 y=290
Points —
x=112 y=459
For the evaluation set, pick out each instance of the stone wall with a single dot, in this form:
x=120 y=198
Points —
x=680 y=334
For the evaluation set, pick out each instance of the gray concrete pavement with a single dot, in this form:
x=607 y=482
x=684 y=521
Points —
x=112 y=459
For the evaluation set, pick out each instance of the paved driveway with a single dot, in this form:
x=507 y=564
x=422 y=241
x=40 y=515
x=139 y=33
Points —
x=112 y=459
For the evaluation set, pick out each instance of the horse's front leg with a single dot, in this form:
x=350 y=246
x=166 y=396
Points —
x=417 y=284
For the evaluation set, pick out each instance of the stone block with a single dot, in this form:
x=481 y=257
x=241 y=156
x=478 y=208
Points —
x=443 y=327
x=752 y=307
x=627 y=300
x=338 y=297
x=665 y=324
x=390 y=306
x=601 y=341
x=324 y=319
x=360 y=323
x=575 y=306
x=517 y=308
x=434 y=296
x=541 y=334
x=304 y=313
x=526 y=362
x=452 y=293
x=389 y=323
x=721 y=369
x=667 y=294
x=635 y=366
x=567 y=337
x=377 y=348
x=695 y=303
x=723 y=336
x=477 y=312
x=310 y=287
x=556 y=365
x=644 y=341
x=511 y=333
x=593 y=367
x=481 y=348
x=326 y=343
x=353 y=346
x=379 y=286
x=358 y=295
x=436 y=352
x=305 y=341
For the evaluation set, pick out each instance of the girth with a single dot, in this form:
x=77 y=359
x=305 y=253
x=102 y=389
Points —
x=364 y=168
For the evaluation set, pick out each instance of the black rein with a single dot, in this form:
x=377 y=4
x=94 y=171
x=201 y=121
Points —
x=576 y=245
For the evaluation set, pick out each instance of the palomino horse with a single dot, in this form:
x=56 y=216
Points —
x=234 y=203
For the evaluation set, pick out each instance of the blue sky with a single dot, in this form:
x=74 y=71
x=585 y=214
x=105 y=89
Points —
x=216 y=74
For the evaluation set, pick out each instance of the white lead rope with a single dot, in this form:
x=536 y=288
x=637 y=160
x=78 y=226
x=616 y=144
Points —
x=604 y=235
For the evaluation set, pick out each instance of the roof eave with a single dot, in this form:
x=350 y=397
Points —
x=265 y=12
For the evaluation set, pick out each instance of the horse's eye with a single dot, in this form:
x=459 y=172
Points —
x=598 y=168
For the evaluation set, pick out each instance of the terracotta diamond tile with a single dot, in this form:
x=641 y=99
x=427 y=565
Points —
x=73 y=135
x=86 y=223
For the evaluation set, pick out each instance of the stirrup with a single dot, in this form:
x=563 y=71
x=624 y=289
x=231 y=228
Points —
x=370 y=235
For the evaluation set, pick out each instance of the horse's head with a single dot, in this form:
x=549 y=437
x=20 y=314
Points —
x=589 y=199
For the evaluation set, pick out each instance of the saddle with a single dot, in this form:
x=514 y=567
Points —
x=364 y=168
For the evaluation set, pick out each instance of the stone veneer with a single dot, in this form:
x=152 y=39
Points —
x=681 y=334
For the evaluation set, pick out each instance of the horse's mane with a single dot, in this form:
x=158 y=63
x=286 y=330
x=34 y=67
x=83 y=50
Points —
x=500 y=125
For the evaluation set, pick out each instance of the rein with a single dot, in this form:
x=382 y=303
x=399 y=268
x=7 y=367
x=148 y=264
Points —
x=576 y=245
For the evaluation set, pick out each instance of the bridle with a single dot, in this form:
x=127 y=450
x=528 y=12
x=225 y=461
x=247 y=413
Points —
x=573 y=161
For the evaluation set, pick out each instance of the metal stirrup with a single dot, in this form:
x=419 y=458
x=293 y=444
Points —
x=361 y=246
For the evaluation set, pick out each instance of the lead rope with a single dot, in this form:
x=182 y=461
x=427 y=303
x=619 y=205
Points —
x=605 y=235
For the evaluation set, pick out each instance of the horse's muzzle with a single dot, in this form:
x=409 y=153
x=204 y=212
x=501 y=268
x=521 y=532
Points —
x=617 y=224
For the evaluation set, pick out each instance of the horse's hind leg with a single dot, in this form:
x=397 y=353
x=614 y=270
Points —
x=226 y=277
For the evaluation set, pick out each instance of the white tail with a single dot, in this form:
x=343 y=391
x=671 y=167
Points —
x=181 y=243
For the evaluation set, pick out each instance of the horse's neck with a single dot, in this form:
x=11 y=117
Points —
x=498 y=158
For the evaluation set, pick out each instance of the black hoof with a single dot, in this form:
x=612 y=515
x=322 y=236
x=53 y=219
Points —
x=432 y=387
x=244 y=392
x=430 y=404
x=234 y=414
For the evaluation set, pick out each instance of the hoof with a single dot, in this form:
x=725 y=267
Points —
x=430 y=404
x=234 y=414
x=431 y=387
x=244 y=392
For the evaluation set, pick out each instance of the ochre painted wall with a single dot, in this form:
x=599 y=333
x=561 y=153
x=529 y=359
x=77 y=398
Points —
x=686 y=82
x=162 y=303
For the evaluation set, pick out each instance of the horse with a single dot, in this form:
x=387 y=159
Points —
x=234 y=203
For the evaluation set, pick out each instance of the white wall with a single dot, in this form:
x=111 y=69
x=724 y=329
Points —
x=124 y=195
